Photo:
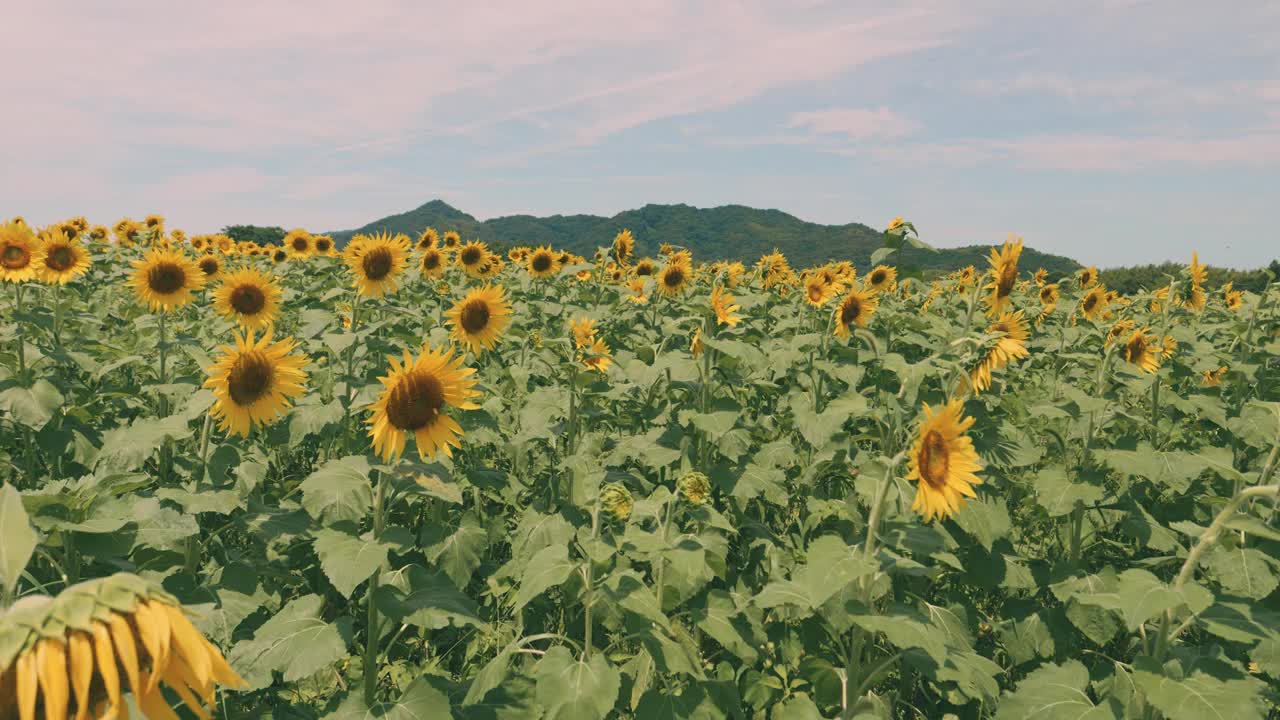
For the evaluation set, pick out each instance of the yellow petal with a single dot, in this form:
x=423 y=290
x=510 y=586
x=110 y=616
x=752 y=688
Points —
x=126 y=651
x=161 y=619
x=107 y=667
x=80 y=654
x=28 y=687
x=149 y=634
x=154 y=706
x=222 y=671
x=190 y=644
x=178 y=676
x=51 y=662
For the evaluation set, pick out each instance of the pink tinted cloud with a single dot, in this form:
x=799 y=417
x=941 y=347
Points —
x=854 y=123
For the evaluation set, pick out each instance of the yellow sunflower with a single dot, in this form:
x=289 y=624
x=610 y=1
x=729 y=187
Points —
x=817 y=290
x=1213 y=378
x=413 y=400
x=674 y=278
x=624 y=244
x=479 y=319
x=542 y=263
x=1088 y=277
x=596 y=356
x=154 y=223
x=428 y=239
x=99 y=233
x=1139 y=350
x=225 y=244
x=695 y=345
x=376 y=262
x=1041 y=277
x=1010 y=344
x=1233 y=298
x=255 y=381
x=881 y=278
x=855 y=310
x=248 y=297
x=1003 y=274
x=1049 y=295
x=722 y=304
x=644 y=268
x=323 y=245
x=583 y=330
x=472 y=256
x=299 y=243
x=452 y=240
x=636 y=288
x=943 y=462
x=1094 y=303
x=61 y=259
x=1116 y=331
x=19 y=253
x=432 y=263
x=210 y=265
x=166 y=279
x=279 y=255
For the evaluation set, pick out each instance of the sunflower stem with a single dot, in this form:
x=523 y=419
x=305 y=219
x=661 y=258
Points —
x=587 y=573
x=371 y=641
x=666 y=535
x=22 y=348
x=57 y=316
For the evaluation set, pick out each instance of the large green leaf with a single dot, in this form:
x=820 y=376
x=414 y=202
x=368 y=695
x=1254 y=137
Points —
x=31 y=406
x=416 y=596
x=419 y=701
x=570 y=688
x=1139 y=596
x=1055 y=692
x=297 y=642
x=348 y=560
x=17 y=538
x=830 y=564
x=548 y=568
x=1199 y=695
x=338 y=491
x=457 y=553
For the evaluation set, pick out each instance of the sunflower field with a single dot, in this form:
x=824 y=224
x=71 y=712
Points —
x=414 y=478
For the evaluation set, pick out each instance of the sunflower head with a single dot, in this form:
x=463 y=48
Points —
x=452 y=240
x=299 y=243
x=255 y=381
x=61 y=259
x=429 y=239
x=1213 y=378
x=1094 y=303
x=1142 y=352
x=1041 y=277
x=636 y=291
x=818 y=289
x=722 y=303
x=616 y=500
x=99 y=233
x=943 y=462
x=432 y=263
x=583 y=330
x=1008 y=344
x=695 y=487
x=1049 y=294
x=323 y=245
x=249 y=298
x=19 y=248
x=376 y=263
x=1003 y=275
x=674 y=278
x=279 y=255
x=624 y=244
x=542 y=263
x=210 y=265
x=855 y=310
x=480 y=318
x=881 y=278
x=1088 y=277
x=472 y=256
x=416 y=396
x=597 y=355
x=644 y=268
x=166 y=279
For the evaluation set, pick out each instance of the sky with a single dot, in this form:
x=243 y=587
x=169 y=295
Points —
x=1111 y=131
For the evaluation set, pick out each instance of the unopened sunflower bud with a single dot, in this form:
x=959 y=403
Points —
x=617 y=501
x=695 y=487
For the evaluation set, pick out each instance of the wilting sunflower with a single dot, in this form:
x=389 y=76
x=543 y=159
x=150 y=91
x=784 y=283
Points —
x=624 y=244
x=428 y=239
x=636 y=287
x=596 y=356
x=66 y=654
x=166 y=279
x=377 y=262
x=617 y=501
x=1213 y=378
x=818 y=290
x=479 y=319
x=248 y=297
x=694 y=487
x=19 y=248
x=1191 y=294
x=323 y=245
x=722 y=304
x=452 y=240
x=1139 y=350
x=855 y=309
x=1088 y=277
x=432 y=263
x=210 y=265
x=61 y=259
x=1004 y=275
x=541 y=263
x=674 y=278
x=413 y=400
x=299 y=243
x=255 y=381
x=881 y=278
x=943 y=462
x=1094 y=303
x=472 y=256
x=644 y=268
x=1009 y=345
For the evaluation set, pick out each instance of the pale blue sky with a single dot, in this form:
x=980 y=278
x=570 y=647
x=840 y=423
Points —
x=1110 y=131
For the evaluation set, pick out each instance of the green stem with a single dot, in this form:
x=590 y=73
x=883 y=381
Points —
x=57 y=316
x=371 y=640
x=595 y=533
x=1155 y=412
x=666 y=535
x=351 y=361
x=22 y=347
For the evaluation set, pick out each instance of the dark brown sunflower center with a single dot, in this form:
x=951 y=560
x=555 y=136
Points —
x=60 y=258
x=470 y=256
x=415 y=401
x=431 y=262
x=1046 y=295
x=248 y=299
x=1090 y=302
x=815 y=293
x=278 y=256
x=209 y=266
x=474 y=316
x=850 y=311
x=673 y=278
x=878 y=277
x=1008 y=275
x=323 y=245
x=15 y=256
x=934 y=460
x=299 y=244
x=376 y=263
x=644 y=269
x=1136 y=348
x=541 y=263
x=166 y=278
x=1001 y=328
x=250 y=378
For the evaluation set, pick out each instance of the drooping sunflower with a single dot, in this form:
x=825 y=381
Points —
x=636 y=289
x=166 y=279
x=1003 y=274
x=723 y=305
x=1009 y=345
x=881 y=278
x=674 y=278
x=299 y=243
x=376 y=262
x=1139 y=350
x=943 y=462
x=210 y=265
x=597 y=356
x=1041 y=277
x=19 y=249
x=255 y=381
x=1191 y=294
x=413 y=402
x=541 y=263
x=479 y=319
x=61 y=259
x=452 y=240
x=323 y=245
x=1213 y=378
x=624 y=244
x=429 y=239
x=1120 y=329
x=1233 y=298
x=1088 y=277
x=855 y=310
x=1094 y=303
x=67 y=654
x=432 y=263
x=644 y=268
x=248 y=297
x=472 y=256
x=695 y=345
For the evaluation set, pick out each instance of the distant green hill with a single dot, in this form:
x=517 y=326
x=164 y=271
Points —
x=733 y=232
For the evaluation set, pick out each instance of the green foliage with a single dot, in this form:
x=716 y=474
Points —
x=1137 y=278
x=263 y=235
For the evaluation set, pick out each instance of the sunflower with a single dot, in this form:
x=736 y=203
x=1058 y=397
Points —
x=1117 y=331
x=99 y=233
x=413 y=400
x=432 y=263
x=1192 y=295
x=210 y=265
x=583 y=275
x=479 y=318
x=255 y=381
x=107 y=627
x=1041 y=277
x=817 y=291
x=376 y=262
x=722 y=304
x=19 y=250
x=248 y=297
x=596 y=356
x=166 y=279
x=279 y=255
x=882 y=278
x=429 y=239
x=1234 y=299
x=1168 y=347
x=674 y=278
x=1094 y=303
x=644 y=268
x=541 y=263
x=1003 y=274
x=695 y=345
x=299 y=243
x=491 y=266
x=894 y=224
x=472 y=256
x=583 y=330
x=323 y=245
x=624 y=244
x=1049 y=295
x=224 y=244
x=61 y=259
x=127 y=232
x=694 y=487
x=452 y=240
x=1088 y=277
x=616 y=500
x=943 y=462
x=966 y=275
x=1139 y=350
x=1213 y=378
x=518 y=254
x=855 y=309
x=636 y=287
x=1010 y=344
x=154 y=223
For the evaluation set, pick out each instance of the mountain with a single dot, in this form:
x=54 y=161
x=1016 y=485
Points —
x=733 y=232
